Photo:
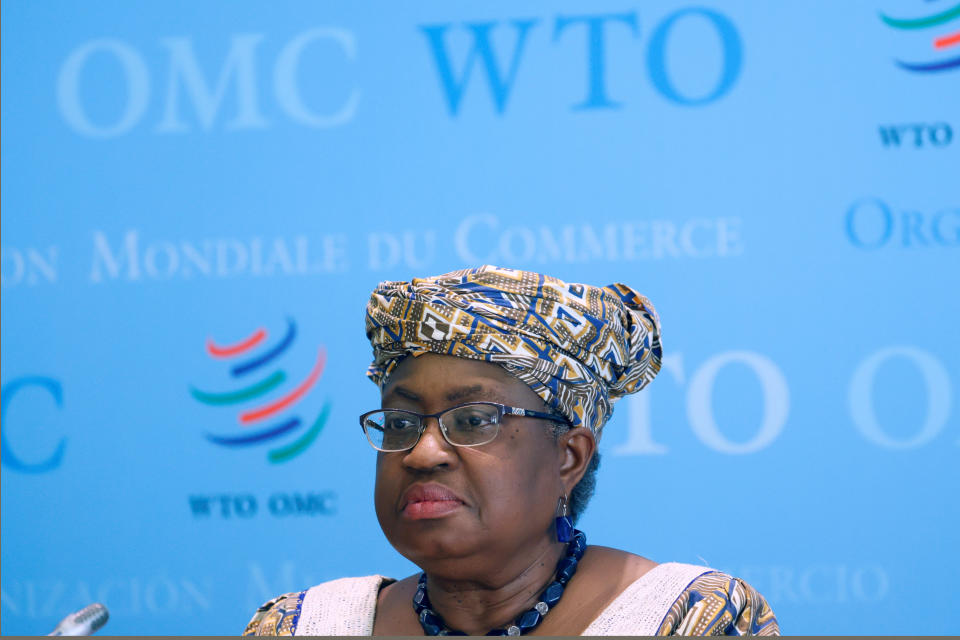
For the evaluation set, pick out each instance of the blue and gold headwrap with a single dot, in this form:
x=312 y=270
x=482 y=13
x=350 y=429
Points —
x=580 y=348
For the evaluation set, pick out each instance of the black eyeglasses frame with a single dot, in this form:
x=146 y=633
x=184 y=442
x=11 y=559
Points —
x=503 y=410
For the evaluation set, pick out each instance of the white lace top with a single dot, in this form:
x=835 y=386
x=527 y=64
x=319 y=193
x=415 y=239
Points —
x=670 y=599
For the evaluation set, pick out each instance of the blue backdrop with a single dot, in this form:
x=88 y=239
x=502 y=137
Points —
x=198 y=198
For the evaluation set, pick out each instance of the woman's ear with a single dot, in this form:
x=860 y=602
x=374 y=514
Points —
x=576 y=450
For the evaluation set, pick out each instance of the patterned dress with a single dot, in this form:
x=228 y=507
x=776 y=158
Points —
x=714 y=604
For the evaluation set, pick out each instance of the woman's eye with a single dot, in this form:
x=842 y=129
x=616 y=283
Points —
x=473 y=420
x=400 y=423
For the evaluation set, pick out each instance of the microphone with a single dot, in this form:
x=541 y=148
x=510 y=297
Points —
x=83 y=622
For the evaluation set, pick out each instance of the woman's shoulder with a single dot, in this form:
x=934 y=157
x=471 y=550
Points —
x=276 y=617
x=345 y=606
x=716 y=603
x=683 y=599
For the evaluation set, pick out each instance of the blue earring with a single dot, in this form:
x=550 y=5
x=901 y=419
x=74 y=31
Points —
x=563 y=521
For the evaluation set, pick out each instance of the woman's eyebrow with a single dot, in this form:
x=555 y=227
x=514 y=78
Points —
x=473 y=391
x=470 y=392
x=402 y=391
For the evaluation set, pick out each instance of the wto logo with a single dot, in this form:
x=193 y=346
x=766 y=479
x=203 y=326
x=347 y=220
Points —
x=247 y=363
x=941 y=40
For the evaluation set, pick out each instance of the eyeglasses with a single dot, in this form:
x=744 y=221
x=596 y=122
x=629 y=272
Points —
x=466 y=425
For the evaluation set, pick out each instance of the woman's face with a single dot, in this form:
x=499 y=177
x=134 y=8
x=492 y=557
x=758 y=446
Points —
x=453 y=510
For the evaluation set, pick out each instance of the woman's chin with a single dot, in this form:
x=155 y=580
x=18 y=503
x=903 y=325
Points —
x=428 y=542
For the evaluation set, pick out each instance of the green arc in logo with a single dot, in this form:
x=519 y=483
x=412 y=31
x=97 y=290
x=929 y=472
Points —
x=240 y=395
x=920 y=23
x=285 y=453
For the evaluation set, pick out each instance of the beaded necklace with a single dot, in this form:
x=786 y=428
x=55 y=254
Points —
x=433 y=624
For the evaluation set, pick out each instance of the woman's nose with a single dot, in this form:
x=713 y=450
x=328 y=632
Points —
x=432 y=450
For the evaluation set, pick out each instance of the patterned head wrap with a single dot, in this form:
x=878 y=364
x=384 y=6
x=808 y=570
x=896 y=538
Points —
x=580 y=348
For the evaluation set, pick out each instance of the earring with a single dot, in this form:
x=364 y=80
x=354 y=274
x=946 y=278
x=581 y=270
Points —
x=563 y=522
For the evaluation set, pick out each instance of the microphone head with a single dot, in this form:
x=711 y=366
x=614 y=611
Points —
x=93 y=616
x=83 y=622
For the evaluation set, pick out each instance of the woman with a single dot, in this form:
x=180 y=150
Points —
x=495 y=387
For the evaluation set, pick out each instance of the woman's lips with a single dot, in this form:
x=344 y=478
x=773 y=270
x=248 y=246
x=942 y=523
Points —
x=421 y=501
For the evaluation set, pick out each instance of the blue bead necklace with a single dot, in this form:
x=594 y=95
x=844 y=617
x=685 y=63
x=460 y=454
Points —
x=433 y=624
